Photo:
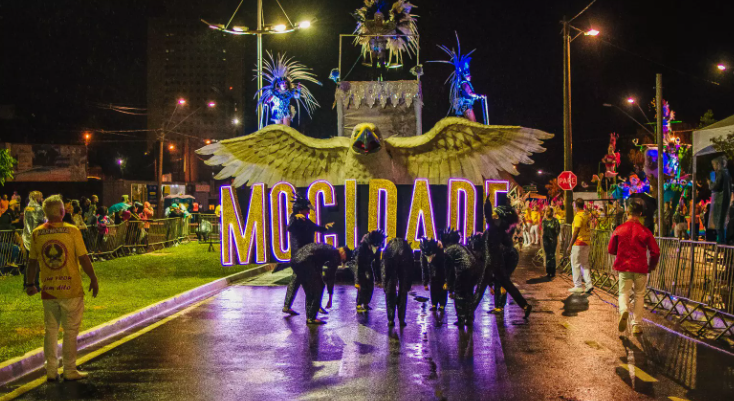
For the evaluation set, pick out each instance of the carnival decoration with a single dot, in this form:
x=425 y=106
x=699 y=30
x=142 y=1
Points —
x=455 y=147
x=282 y=75
x=386 y=32
x=605 y=181
x=461 y=95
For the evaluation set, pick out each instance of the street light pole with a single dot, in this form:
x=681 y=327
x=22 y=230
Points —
x=567 y=147
x=161 y=139
x=659 y=127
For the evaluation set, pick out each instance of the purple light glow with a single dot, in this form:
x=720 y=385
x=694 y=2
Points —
x=421 y=217
x=467 y=230
x=282 y=203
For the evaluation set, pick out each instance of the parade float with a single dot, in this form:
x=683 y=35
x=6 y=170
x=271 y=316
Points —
x=380 y=170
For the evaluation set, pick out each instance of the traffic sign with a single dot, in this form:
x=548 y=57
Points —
x=567 y=181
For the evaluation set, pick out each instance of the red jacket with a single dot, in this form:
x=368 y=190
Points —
x=630 y=242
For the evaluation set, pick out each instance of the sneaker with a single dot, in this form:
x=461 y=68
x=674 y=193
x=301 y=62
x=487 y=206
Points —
x=440 y=308
x=432 y=308
x=289 y=311
x=589 y=289
x=636 y=329
x=75 y=375
x=315 y=321
x=497 y=311
x=623 y=321
x=528 y=308
x=361 y=309
x=52 y=377
x=576 y=290
x=322 y=310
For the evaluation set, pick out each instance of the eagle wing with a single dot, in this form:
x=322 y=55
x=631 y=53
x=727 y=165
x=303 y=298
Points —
x=457 y=147
x=278 y=153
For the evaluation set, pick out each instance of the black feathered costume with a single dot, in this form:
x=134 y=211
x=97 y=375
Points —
x=315 y=264
x=367 y=265
x=461 y=276
x=397 y=265
x=434 y=271
x=301 y=231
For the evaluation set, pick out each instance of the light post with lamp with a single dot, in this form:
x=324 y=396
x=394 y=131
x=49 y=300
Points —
x=567 y=147
x=259 y=32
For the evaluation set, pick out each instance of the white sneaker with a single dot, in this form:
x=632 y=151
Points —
x=75 y=375
x=636 y=329
x=623 y=321
x=589 y=288
x=576 y=290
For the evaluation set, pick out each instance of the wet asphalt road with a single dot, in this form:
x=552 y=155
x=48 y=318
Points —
x=239 y=346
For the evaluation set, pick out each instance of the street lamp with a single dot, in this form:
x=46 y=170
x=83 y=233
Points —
x=259 y=32
x=631 y=101
x=721 y=67
x=567 y=160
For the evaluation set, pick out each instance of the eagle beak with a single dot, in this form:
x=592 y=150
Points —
x=366 y=142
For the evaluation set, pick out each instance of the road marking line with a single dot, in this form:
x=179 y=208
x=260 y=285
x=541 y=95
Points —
x=639 y=373
x=32 y=385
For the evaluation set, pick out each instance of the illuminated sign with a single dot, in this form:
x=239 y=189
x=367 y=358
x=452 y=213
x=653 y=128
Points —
x=420 y=210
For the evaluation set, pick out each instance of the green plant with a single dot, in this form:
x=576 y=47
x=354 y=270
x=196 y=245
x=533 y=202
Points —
x=7 y=163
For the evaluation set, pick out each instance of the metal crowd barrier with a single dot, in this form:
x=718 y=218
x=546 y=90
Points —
x=133 y=236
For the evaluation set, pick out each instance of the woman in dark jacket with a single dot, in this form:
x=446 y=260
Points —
x=551 y=229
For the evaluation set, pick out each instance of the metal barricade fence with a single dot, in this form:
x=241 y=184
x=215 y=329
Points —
x=12 y=252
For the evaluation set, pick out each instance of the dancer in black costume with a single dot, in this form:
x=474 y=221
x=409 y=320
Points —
x=461 y=276
x=499 y=257
x=397 y=266
x=301 y=231
x=308 y=263
x=367 y=267
x=434 y=272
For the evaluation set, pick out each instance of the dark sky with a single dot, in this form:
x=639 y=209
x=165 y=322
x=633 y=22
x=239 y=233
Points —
x=61 y=57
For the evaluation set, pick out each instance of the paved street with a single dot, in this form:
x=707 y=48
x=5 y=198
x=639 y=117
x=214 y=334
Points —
x=239 y=346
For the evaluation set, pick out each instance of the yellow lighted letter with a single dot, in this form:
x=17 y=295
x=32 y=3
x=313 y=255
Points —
x=350 y=213
x=462 y=195
x=379 y=217
x=280 y=208
x=323 y=188
x=491 y=189
x=420 y=220
x=231 y=226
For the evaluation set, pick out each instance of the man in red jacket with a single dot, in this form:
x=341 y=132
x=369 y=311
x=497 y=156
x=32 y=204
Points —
x=630 y=243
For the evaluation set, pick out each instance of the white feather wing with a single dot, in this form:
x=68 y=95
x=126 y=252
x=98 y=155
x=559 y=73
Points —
x=278 y=153
x=457 y=147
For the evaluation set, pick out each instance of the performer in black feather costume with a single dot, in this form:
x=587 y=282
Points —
x=434 y=272
x=301 y=231
x=500 y=258
x=315 y=264
x=397 y=266
x=367 y=267
x=461 y=276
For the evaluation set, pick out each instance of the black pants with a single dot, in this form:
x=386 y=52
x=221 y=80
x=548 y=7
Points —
x=464 y=302
x=549 y=247
x=438 y=294
x=396 y=297
x=293 y=286
x=314 y=287
x=366 y=288
x=502 y=280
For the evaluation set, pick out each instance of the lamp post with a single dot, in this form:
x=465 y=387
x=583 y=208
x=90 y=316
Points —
x=260 y=30
x=567 y=146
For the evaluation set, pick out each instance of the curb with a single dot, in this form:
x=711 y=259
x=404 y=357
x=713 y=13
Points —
x=18 y=367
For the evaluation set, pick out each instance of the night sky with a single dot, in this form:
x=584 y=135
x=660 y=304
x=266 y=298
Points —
x=60 y=58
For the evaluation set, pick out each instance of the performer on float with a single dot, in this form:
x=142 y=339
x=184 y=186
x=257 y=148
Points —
x=397 y=266
x=434 y=272
x=499 y=257
x=367 y=266
x=612 y=160
x=379 y=27
x=301 y=232
x=275 y=98
x=308 y=263
x=461 y=276
x=462 y=95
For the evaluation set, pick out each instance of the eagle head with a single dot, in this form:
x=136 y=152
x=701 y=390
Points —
x=366 y=139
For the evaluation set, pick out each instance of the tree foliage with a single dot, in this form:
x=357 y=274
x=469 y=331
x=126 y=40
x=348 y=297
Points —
x=724 y=144
x=7 y=162
x=707 y=119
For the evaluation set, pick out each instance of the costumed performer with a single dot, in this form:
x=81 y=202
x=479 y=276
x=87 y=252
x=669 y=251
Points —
x=462 y=95
x=275 y=98
x=720 y=198
x=367 y=267
x=500 y=257
x=301 y=232
x=551 y=230
x=309 y=263
x=461 y=273
x=434 y=272
x=397 y=265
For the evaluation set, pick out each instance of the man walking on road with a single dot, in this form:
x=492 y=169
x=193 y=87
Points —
x=579 y=250
x=630 y=242
x=57 y=249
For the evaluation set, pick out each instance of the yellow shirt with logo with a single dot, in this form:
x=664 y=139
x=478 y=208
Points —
x=581 y=222
x=57 y=248
x=535 y=217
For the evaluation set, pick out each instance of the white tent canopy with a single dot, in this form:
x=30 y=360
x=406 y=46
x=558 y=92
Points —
x=702 y=144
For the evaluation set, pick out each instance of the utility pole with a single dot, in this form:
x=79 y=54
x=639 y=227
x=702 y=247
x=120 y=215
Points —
x=161 y=143
x=659 y=127
x=567 y=147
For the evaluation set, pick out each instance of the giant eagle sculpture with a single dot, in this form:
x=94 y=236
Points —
x=454 y=148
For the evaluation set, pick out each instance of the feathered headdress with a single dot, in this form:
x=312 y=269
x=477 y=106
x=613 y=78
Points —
x=461 y=67
x=290 y=71
x=398 y=21
x=450 y=237
x=301 y=202
x=376 y=237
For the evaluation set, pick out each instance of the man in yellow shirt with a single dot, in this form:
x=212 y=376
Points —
x=579 y=250
x=535 y=225
x=57 y=249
